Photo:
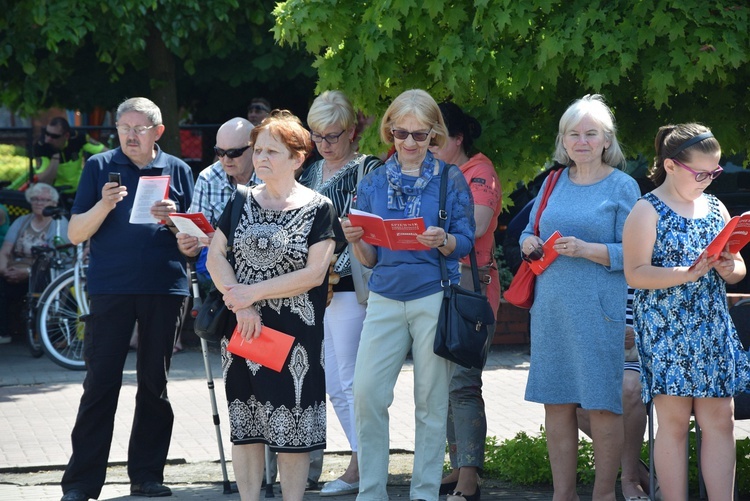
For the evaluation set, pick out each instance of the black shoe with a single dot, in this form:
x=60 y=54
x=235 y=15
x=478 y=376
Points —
x=75 y=495
x=150 y=490
x=470 y=497
x=311 y=485
x=447 y=488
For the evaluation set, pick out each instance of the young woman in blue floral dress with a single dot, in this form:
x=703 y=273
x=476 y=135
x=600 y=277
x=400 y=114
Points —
x=691 y=357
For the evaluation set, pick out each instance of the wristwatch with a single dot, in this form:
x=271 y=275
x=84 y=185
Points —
x=445 y=241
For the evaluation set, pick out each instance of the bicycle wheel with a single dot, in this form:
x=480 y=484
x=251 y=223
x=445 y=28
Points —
x=33 y=340
x=60 y=325
x=39 y=279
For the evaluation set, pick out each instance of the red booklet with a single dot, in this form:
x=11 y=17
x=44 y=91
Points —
x=736 y=234
x=270 y=349
x=550 y=254
x=395 y=234
x=194 y=224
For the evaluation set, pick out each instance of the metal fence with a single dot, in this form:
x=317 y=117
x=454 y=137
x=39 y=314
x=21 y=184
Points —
x=17 y=144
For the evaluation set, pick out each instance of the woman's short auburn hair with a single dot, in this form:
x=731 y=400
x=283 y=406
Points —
x=420 y=105
x=331 y=108
x=284 y=126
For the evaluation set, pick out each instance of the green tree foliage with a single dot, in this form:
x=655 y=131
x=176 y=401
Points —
x=517 y=64
x=82 y=53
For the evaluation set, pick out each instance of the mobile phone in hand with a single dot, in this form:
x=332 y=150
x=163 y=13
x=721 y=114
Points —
x=115 y=177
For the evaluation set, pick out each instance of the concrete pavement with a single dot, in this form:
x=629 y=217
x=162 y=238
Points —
x=39 y=400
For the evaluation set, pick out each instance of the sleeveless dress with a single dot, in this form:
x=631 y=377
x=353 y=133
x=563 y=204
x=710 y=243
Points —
x=287 y=409
x=686 y=340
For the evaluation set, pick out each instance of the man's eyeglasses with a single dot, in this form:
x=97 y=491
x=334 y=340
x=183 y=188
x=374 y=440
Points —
x=330 y=138
x=258 y=108
x=701 y=176
x=138 y=129
x=535 y=255
x=231 y=153
x=37 y=200
x=52 y=135
x=401 y=135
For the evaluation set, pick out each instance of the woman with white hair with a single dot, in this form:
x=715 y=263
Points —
x=578 y=316
x=16 y=258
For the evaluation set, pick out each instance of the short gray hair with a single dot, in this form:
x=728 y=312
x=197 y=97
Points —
x=42 y=189
x=593 y=106
x=140 y=105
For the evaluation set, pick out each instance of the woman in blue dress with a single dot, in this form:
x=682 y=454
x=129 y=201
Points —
x=578 y=316
x=691 y=356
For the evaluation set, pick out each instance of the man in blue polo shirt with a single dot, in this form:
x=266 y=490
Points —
x=136 y=273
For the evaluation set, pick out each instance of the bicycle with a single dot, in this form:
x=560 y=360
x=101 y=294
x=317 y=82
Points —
x=63 y=310
x=49 y=263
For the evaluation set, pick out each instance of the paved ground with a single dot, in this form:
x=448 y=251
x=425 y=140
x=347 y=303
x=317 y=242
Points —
x=38 y=403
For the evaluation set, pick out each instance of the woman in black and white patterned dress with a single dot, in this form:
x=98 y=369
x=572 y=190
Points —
x=283 y=245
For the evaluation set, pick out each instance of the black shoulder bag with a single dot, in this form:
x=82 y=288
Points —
x=214 y=319
x=465 y=322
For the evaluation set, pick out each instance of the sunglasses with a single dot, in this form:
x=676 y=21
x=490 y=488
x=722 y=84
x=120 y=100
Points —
x=231 y=153
x=330 y=138
x=535 y=255
x=701 y=176
x=52 y=135
x=419 y=137
x=258 y=107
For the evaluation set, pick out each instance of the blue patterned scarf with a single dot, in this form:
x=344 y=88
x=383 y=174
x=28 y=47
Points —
x=396 y=191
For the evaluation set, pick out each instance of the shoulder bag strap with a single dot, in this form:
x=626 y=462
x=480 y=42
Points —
x=551 y=182
x=240 y=196
x=442 y=217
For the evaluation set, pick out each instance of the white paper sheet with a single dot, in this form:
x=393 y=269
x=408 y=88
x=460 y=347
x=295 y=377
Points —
x=151 y=189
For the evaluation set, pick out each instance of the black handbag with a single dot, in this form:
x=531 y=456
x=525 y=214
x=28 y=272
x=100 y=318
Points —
x=214 y=319
x=466 y=320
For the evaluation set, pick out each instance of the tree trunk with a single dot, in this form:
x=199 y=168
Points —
x=161 y=72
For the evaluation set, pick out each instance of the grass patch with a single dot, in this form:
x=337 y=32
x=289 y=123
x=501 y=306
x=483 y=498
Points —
x=524 y=460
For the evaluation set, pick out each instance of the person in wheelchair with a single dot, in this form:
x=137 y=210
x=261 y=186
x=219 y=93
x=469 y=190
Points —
x=16 y=255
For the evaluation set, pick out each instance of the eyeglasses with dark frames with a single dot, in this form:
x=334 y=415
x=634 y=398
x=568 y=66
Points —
x=52 y=135
x=701 y=176
x=231 y=153
x=419 y=137
x=258 y=107
x=330 y=138
x=138 y=129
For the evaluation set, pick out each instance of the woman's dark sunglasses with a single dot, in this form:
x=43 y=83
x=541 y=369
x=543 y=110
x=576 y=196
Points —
x=53 y=136
x=401 y=135
x=231 y=153
x=534 y=255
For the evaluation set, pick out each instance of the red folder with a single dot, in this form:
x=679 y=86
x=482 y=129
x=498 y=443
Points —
x=270 y=349
x=550 y=254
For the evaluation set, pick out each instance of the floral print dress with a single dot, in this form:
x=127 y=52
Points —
x=686 y=340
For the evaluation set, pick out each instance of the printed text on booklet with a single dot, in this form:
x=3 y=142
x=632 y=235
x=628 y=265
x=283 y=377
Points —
x=736 y=234
x=395 y=234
